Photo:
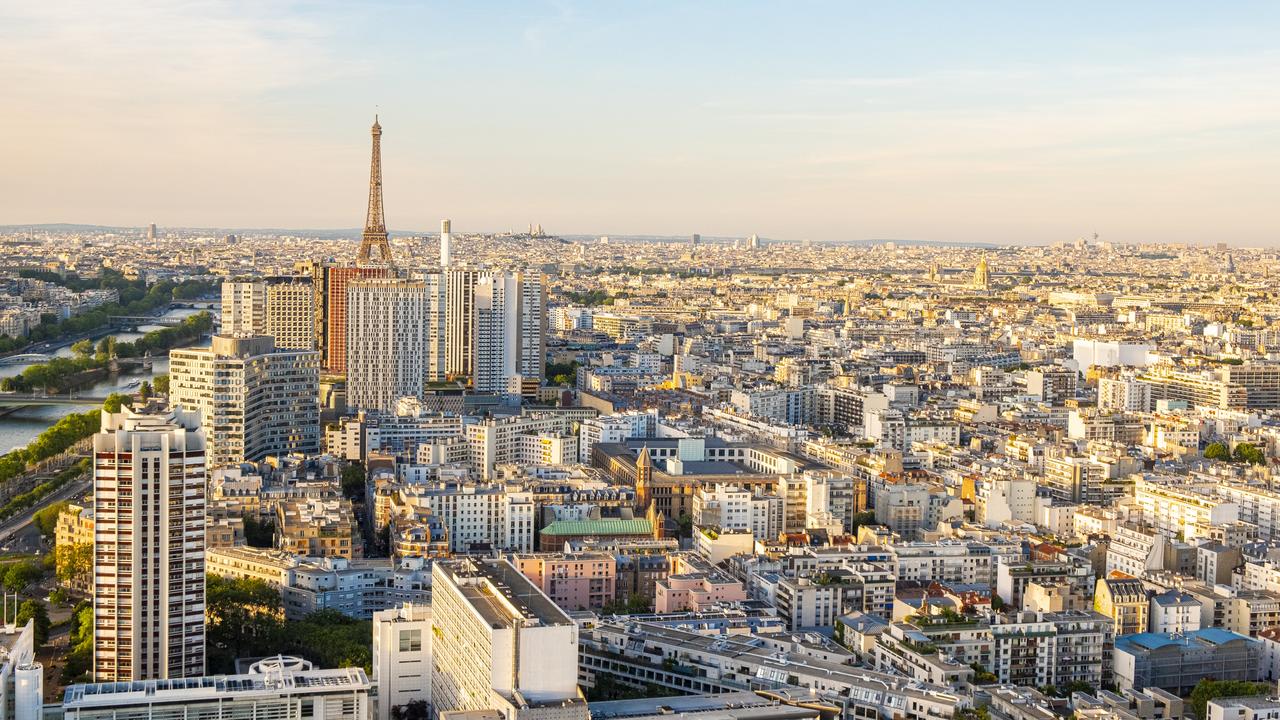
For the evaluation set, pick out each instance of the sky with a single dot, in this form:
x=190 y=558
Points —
x=1005 y=122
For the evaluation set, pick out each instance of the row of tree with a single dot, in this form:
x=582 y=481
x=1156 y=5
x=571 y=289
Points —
x=60 y=436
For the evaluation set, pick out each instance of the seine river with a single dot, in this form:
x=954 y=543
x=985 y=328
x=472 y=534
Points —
x=21 y=427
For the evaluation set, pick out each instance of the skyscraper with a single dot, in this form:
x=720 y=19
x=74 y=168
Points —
x=508 y=347
x=282 y=307
x=446 y=245
x=244 y=307
x=255 y=400
x=374 y=249
x=460 y=320
x=395 y=339
x=148 y=566
x=331 y=310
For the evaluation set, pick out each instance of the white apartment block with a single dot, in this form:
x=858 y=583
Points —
x=395 y=340
x=254 y=400
x=732 y=507
x=495 y=441
x=148 y=572
x=472 y=513
x=1255 y=505
x=952 y=560
x=500 y=644
x=1180 y=511
x=291 y=313
x=1123 y=394
x=353 y=438
x=509 y=351
x=244 y=308
x=401 y=657
x=615 y=429
x=282 y=307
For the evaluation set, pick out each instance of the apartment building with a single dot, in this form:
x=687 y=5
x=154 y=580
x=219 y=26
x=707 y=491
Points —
x=499 y=643
x=573 y=580
x=395 y=340
x=317 y=527
x=148 y=544
x=254 y=400
x=401 y=657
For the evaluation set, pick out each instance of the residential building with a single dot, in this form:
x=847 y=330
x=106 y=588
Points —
x=254 y=400
x=148 y=567
x=395 y=340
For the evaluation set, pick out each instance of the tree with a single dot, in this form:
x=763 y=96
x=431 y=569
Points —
x=35 y=610
x=46 y=519
x=1207 y=690
x=259 y=534
x=161 y=384
x=414 y=710
x=866 y=517
x=997 y=603
x=82 y=348
x=245 y=617
x=144 y=390
x=74 y=563
x=21 y=575
x=1217 y=451
x=1249 y=453
x=115 y=402
x=353 y=481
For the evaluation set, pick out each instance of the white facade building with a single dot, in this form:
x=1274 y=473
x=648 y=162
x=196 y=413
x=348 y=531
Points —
x=254 y=400
x=148 y=572
x=395 y=340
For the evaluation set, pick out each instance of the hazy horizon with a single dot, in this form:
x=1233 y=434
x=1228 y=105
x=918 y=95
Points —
x=1002 y=123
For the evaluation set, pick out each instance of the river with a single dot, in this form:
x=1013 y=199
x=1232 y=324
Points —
x=22 y=426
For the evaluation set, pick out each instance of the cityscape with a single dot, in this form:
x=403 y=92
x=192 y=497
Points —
x=452 y=472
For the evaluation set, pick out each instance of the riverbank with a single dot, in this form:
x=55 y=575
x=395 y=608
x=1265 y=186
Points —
x=61 y=374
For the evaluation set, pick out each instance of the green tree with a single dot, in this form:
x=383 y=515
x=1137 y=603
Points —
x=353 y=481
x=259 y=534
x=144 y=390
x=115 y=402
x=161 y=384
x=1249 y=453
x=82 y=348
x=244 y=618
x=35 y=610
x=19 y=576
x=1207 y=690
x=415 y=710
x=46 y=519
x=74 y=563
x=1217 y=451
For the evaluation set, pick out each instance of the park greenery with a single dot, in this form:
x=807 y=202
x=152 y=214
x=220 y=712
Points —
x=562 y=373
x=246 y=619
x=62 y=374
x=80 y=633
x=136 y=298
x=353 y=481
x=1244 y=453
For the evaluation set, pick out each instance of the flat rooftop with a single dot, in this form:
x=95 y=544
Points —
x=506 y=580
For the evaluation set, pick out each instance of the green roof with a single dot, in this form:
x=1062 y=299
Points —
x=599 y=527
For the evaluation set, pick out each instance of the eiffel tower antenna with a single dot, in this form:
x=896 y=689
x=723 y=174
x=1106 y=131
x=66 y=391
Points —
x=374 y=241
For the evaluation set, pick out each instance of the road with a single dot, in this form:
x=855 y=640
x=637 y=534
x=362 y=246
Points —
x=16 y=524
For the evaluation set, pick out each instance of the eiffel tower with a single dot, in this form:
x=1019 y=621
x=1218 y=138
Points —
x=374 y=250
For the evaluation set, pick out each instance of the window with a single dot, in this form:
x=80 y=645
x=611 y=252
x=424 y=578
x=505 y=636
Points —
x=410 y=640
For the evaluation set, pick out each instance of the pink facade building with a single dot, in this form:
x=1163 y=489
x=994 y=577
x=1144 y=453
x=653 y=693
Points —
x=574 y=581
x=694 y=586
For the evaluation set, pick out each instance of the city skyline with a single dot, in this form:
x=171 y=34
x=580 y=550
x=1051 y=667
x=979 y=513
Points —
x=1028 y=126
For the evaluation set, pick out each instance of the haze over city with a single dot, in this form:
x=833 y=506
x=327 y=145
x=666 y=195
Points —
x=1006 y=123
x=643 y=361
